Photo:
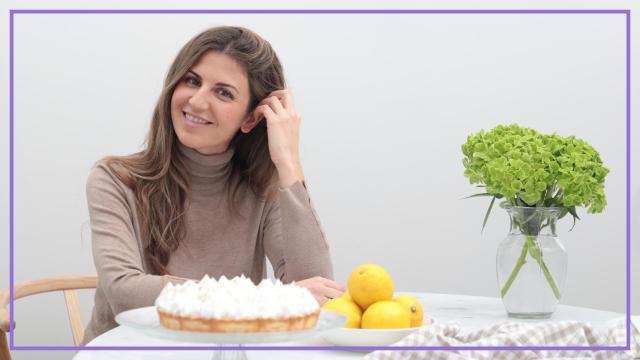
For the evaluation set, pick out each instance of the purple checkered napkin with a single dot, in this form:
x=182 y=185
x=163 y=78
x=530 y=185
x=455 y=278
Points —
x=512 y=334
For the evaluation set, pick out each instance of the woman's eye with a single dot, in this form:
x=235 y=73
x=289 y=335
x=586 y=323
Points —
x=192 y=81
x=225 y=93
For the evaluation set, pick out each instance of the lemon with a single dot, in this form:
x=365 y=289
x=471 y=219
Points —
x=369 y=283
x=346 y=295
x=386 y=315
x=347 y=308
x=413 y=306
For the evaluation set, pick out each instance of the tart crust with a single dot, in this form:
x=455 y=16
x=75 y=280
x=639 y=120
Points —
x=200 y=324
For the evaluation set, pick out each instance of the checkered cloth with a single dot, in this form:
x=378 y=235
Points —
x=562 y=333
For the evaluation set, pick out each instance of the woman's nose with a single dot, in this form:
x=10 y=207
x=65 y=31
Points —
x=199 y=100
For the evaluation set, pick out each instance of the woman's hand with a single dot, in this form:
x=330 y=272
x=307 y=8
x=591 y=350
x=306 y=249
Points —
x=322 y=289
x=283 y=125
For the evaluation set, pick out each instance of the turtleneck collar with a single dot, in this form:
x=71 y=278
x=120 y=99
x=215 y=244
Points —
x=206 y=166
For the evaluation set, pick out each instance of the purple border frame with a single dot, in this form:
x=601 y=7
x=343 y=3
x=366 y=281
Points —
x=627 y=14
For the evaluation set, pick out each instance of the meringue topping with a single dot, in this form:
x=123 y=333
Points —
x=237 y=298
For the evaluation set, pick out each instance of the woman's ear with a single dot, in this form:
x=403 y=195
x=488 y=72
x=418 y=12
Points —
x=249 y=123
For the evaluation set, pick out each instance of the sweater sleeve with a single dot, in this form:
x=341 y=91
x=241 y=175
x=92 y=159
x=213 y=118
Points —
x=116 y=250
x=293 y=237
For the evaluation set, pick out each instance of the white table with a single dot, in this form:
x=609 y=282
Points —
x=471 y=312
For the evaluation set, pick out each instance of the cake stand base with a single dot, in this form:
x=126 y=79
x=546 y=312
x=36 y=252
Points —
x=229 y=355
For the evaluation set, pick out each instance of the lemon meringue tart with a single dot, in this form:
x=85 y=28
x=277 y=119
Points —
x=236 y=306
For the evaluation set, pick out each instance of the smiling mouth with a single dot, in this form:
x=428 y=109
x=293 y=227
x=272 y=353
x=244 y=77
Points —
x=195 y=120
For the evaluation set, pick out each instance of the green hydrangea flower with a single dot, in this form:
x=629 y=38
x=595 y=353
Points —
x=530 y=169
x=527 y=168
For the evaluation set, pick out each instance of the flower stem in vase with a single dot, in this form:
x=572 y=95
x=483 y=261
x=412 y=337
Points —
x=521 y=261
x=533 y=249
x=536 y=253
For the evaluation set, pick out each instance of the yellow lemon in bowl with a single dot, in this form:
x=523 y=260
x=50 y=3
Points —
x=413 y=306
x=346 y=295
x=386 y=315
x=369 y=283
x=347 y=308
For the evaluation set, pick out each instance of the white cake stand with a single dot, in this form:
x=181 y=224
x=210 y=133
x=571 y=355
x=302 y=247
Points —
x=146 y=320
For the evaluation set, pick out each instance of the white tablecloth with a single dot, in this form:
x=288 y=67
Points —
x=471 y=312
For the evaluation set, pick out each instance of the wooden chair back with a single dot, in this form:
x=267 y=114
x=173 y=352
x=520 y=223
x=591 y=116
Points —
x=67 y=284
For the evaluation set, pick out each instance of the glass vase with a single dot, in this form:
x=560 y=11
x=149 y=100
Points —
x=531 y=263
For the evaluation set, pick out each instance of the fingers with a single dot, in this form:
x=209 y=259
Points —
x=332 y=293
x=275 y=104
x=286 y=99
x=320 y=299
x=322 y=289
x=272 y=110
x=269 y=108
x=280 y=102
x=264 y=110
x=331 y=284
x=324 y=294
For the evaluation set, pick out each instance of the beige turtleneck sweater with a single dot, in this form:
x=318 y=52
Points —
x=285 y=229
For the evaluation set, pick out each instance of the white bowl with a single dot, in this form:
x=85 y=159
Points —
x=369 y=337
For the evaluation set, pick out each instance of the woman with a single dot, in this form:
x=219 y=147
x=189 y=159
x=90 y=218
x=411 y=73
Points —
x=218 y=187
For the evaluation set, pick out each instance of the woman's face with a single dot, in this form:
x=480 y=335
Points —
x=210 y=103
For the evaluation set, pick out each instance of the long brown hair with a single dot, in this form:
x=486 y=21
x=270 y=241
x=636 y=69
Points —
x=158 y=175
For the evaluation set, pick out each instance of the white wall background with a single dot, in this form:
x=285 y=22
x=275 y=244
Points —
x=386 y=102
